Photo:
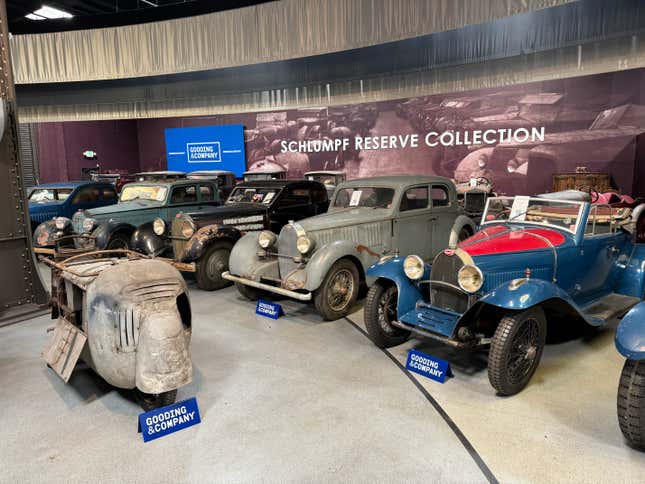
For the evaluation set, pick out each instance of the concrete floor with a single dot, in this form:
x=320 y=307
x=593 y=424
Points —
x=300 y=399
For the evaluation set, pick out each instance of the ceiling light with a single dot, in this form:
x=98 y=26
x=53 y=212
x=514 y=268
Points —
x=52 y=13
x=33 y=16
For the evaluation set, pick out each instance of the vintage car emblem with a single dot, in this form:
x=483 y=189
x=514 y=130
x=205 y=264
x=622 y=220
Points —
x=449 y=252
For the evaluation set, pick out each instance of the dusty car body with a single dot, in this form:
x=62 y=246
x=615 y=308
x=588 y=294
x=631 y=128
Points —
x=206 y=238
x=330 y=178
x=226 y=179
x=536 y=261
x=128 y=318
x=266 y=173
x=630 y=338
x=112 y=227
x=324 y=258
x=159 y=176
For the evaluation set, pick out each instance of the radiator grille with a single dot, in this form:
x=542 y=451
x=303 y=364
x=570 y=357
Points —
x=77 y=222
x=287 y=246
x=127 y=336
x=445 y=269
x=178 y=246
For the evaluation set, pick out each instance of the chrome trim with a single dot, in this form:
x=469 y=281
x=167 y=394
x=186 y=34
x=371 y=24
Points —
x=267 y=287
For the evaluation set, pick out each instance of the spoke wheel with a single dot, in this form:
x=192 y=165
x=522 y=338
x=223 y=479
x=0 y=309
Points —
x=516 y=349
x=380 y=311
x=338 y=290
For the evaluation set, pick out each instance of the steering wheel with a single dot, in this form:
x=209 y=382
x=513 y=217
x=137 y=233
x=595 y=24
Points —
x=593 y=193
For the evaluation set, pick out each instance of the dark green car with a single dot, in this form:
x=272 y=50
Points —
x=112 y=227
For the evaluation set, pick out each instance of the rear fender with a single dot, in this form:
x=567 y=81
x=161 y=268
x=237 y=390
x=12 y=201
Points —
x=391 y=271
x=630 y=334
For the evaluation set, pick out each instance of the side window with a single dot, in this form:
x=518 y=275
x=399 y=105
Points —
x=185 y=194
x=109 y=194
x=318 y=195
x=414 y=199
x=86 y=195
x=294 y=196
x=440 y=196
x=206 y=193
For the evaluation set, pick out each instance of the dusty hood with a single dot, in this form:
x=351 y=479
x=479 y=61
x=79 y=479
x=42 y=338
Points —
x=122 y=207
x=345 y=217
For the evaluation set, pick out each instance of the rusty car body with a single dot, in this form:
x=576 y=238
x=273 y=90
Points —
x=127 y=317
x=206 y=238
x=324 y=258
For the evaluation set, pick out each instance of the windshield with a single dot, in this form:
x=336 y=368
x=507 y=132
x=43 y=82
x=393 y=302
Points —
x=49 y=194
x=253 y=195
x=263 y=176
x=373 y=197
x=144 y=192
x=560 y=214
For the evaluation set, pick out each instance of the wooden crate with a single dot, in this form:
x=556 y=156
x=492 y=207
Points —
x=601 y=182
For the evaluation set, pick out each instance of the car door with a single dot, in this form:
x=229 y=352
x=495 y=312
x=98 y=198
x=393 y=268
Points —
x=293 y=203
x=412 y=224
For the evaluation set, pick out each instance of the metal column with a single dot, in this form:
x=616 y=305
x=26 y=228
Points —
x=21 y=289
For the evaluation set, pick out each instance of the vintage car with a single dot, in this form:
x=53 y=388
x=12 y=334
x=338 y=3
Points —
x=535 y=263
x=112 y=227
x=128 y=318
x=324 y=258
x=276 y=173
x=630 y=342
x=331 y=179
x=206 y=238
x=226 y=179
x=63 y=199
x=159 y=176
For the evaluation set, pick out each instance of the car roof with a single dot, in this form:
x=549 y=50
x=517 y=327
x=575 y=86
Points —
x=211 y=172
x=276 y=183
x=71 y=184
x=141 y=173
x=325 y=172
x=171 y=183
x=396 y=180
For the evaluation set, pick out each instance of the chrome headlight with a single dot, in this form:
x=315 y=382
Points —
x=158 y=226
x=88 y=224
x=187 y=229
x=470 y=278
x=413 y=267
x=266 y=239
x=61 y=222
x=304 y=244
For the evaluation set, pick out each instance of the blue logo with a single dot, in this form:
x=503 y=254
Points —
x=166 y=420
x=204 y=152
x=428 y=366
x=269 y=309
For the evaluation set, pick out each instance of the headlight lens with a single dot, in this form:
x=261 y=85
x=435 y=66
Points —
x=187 y=229
x=61 y=223
x=159 y=226
x=413 y=267
x=88 y=224
x=266 y=239
x=304 y=244
x=470 y=278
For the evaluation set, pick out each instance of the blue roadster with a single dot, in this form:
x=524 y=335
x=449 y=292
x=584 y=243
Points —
x=535 y=262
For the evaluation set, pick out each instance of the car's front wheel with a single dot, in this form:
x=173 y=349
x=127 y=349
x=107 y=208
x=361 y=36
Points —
x=150 y=401
x=338 y=291
x=380 y=311
x=631 y=403
x=250 y=293
x=515 y=350
x=211 y=265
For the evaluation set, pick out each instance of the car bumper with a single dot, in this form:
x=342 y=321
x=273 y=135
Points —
x=268 y=287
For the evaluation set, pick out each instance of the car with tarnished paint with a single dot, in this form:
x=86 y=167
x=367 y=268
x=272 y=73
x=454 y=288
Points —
x=330 y=178
x=62 y=199
x=552 y=261
x=112 y=227
x=206 y=238
x=127 y=317
x=324 y=258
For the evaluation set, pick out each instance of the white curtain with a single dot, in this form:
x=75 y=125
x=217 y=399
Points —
x=273 y=31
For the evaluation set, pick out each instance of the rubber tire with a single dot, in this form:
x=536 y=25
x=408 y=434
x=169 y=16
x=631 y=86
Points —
x=501 y=345
x=631 y=403
x=220 y=252
x=248 y=292
x=150 y=401
x=118 y=241
x=374 y=330
x=320 y=295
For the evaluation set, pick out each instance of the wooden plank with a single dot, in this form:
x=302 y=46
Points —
x=64 y=349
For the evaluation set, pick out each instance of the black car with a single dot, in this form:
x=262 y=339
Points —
x=207 y=237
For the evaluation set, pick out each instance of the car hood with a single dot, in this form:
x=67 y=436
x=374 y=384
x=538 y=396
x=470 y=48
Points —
x=122 y=207
x=506 y=239
x=224 y=213
x=344 y=217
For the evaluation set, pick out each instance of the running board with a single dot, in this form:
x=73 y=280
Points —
x=609 y=306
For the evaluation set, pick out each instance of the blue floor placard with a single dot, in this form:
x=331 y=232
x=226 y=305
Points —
x=269 y=309
x=428 y=366
x=171 y=418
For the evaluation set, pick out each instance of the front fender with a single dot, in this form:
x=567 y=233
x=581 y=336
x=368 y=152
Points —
x=46 y=234
x=205 y=237
x=528 y=294
x=630 y=334
x=408 y=292
x=104 y=232
x=243 y=260
x=145 y=240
